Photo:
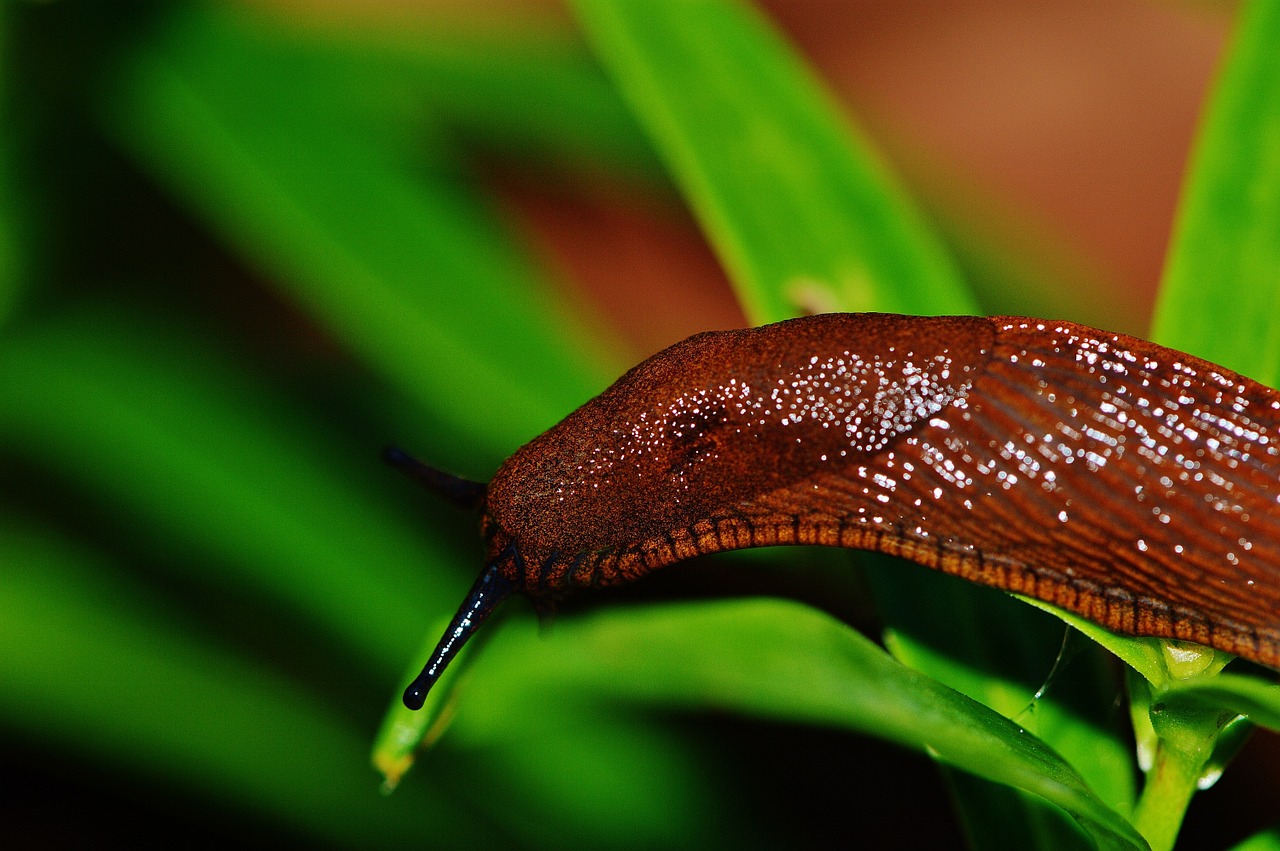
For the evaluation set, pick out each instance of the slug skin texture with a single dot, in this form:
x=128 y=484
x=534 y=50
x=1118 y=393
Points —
x=1129 y=483
x=1126 y=482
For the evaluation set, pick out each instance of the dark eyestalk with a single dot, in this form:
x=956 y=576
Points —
x=463 y=493
x=490 y=590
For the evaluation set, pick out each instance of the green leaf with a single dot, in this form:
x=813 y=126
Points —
x=1267 y=840
x=1162 y=662
x=96 y=666
x=401 y=259
x=1256 y=699
x=801 y=212
x=1220 y=297
x=1141 y=654
x=643 y=787
x=773 y=659
x=538 y=96
x=13 y=211
x=1023 y=664
x=223 y=472
x=405 y=731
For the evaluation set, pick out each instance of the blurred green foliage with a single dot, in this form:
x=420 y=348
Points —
x=239 y=251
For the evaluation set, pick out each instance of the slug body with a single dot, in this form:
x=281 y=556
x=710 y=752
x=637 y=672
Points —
x=1126 y=482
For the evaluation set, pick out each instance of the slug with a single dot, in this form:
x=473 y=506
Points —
x=1129 y=483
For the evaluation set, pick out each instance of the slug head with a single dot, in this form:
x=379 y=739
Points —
x=490 y=589
x=712 y=424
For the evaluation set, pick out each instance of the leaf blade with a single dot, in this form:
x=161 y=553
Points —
x=801 y=212
x=778 y=659
x=1251 y=697
x=82 y=674
x=1221 y=272
x=404 y=261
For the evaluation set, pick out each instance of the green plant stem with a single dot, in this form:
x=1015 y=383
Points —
x=1165 y=797
x=1186 y=733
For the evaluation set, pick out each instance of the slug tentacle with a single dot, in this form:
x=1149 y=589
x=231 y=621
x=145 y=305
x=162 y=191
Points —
x=463 y=493
x=1132 y=484
x=487 y=592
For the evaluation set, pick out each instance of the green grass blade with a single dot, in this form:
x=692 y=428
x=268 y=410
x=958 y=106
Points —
x=596 y=778
x=1267 y=840
x=773 y=659
x=1147 y=656
x=1220 y=297
x=13 y=249
x=537 y=96
x=1251 y=697
x=192 y=453
x=537 y=99
x=646 y=791
x=406 y=731
x=96 y=667
x=403 y=261
x=802 y=214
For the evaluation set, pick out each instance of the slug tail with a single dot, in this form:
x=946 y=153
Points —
x=490 y=590
x=463 y=493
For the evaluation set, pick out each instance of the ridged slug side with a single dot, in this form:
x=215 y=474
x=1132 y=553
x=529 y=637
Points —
x=1129 y=483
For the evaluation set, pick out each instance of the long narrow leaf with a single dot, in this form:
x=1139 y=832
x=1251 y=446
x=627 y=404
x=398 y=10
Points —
x=305 y=165
x=14 y=219
x=544 y=101
x=1220 y=297
x=93 y=666
x=1257 y=700
x=780 y=660
x=1267 y=840
x=531 y=95
x=801 y=212
x=189 y=449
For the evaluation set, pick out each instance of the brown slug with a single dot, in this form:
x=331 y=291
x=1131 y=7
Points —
x=1129 y=483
